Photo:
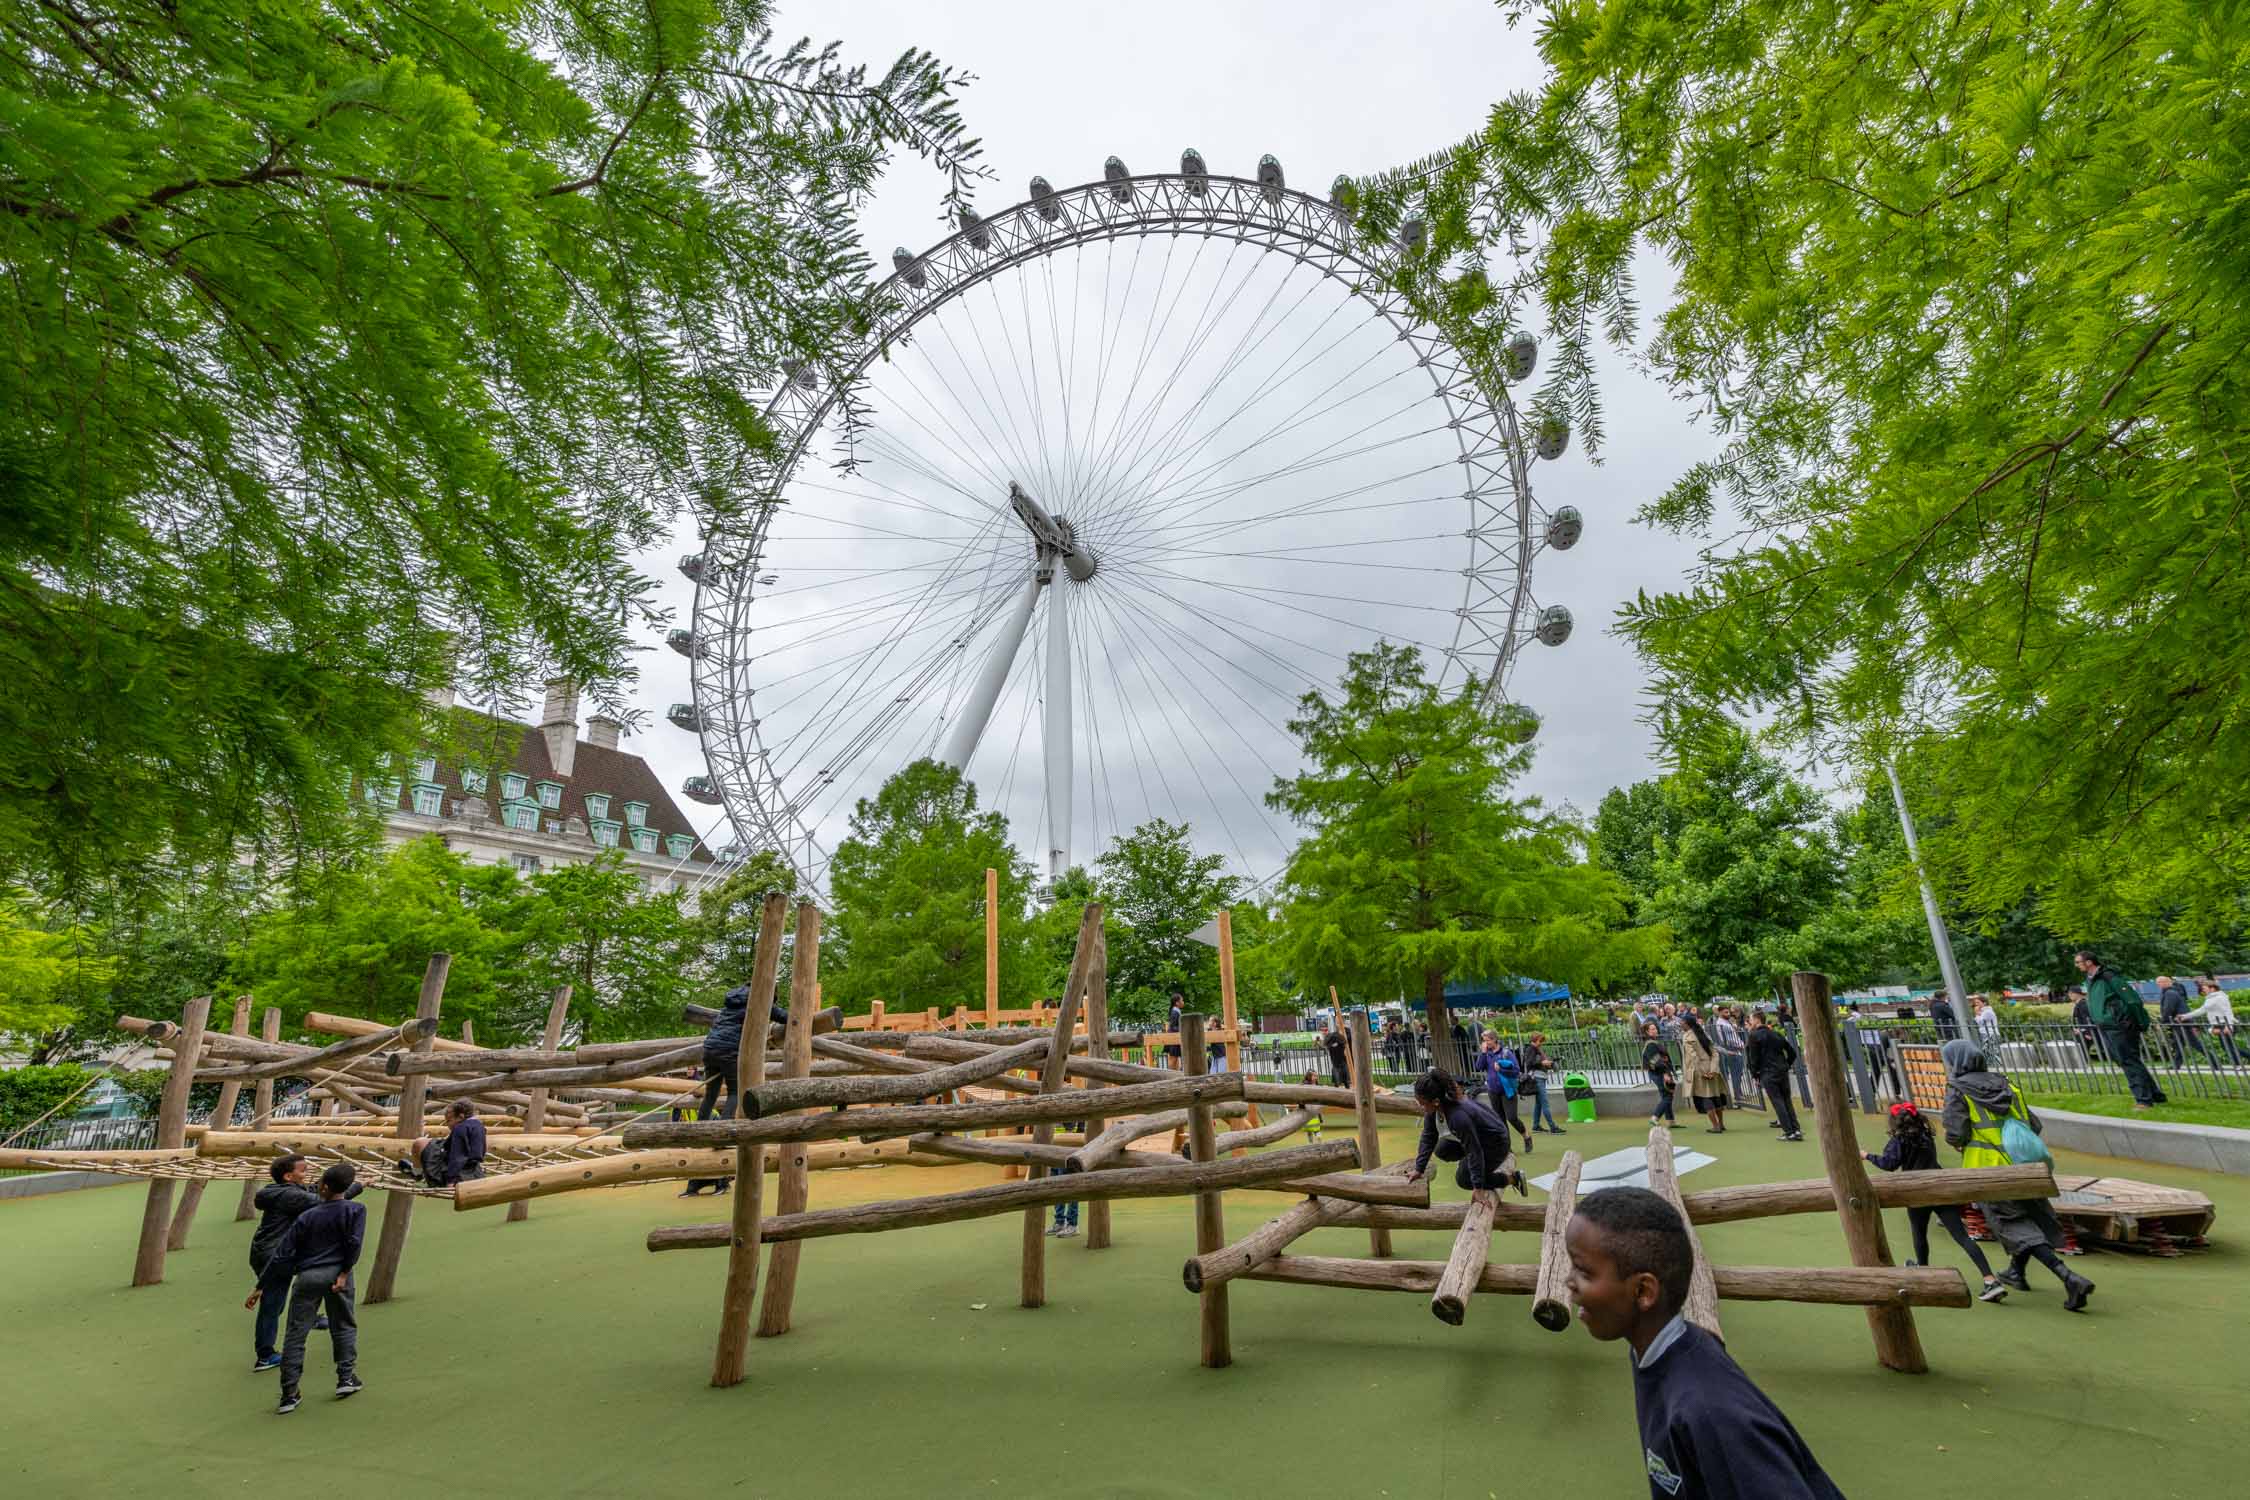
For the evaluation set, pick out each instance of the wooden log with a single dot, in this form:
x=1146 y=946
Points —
x=37 y=1158
x=911 y=1119
x=991 y=948
x=1008 y=1153
x=787 y=1094
x=1702 y=1306
x=1262 y=1244
x=745 y=1223
x=1551 y=1299
x=794 y=1188
x=1033 y=1278
x=535 y=1113
x=1449 y=1302
x=261 y=1112
x=330 y=1025
x=633 y=1072
x=1214 y=1335
x=1897 y=1345
x=1097 y=1025
x=603 y=1052
x=398 y=1207
x=311 y=1063
x=621 y=1169
x=171 y=1133
x=868 y=1058
x=230 y=1093
x=1842 y=1286
x=1363 y=1115
x=1384 y=1101
x=1230 y=1015
x=1170 y=1180
x=1231 y=1141
x=324 y=1135
x=1385 y=1185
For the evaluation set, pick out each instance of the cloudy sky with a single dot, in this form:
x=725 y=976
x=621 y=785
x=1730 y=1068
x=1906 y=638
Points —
x=1327 y=88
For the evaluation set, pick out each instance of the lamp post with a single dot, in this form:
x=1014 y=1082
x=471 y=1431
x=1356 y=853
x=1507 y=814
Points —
x=1938 y=938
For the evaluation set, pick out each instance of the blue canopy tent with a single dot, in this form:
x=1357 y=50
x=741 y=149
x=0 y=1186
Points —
x=1497 y=994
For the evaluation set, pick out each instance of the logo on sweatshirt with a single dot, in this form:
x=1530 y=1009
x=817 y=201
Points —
x=1660 y=1473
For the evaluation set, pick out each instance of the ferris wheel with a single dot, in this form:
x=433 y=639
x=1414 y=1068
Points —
x=1112 y=479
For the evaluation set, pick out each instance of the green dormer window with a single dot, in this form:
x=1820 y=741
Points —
x=472 y=781
x=512 y=785
x=636 y=813
x=429 y=800
x=550 y=795
x=644 y=839
x=605 y=832
x=679 y=844
x=597 y=807
x=520 y=815
x=425 y=768
x=382 y=793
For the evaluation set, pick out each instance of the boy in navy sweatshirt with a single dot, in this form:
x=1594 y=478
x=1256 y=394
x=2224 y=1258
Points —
x=317 y=1254
x=1707 y=1433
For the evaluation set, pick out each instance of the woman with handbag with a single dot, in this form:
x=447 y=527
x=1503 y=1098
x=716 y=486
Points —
x=1699 y=1061
x=1987 y=1119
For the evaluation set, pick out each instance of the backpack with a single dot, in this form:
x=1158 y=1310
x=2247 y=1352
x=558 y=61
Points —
x=2020 y=1141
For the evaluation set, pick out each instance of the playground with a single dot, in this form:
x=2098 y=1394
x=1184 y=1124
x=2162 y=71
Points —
x=558 y=1356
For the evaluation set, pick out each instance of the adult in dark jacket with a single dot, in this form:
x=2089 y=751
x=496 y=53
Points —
x=1769 y=1055
x=1172 y=1024
x=1339 y=1073
x=722 y=1059
x=2172 y=1012
x=1978 y=1104
x=1465 y=1132
x=278 y=1204
x=2123 y=1021
x=1941 y=1014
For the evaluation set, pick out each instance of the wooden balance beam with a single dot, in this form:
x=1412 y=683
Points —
x=663 y=1166
x=1843 y=1286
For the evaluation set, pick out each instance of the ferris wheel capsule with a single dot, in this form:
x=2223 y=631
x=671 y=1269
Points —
x=684 y=642
x=1411 y=236
x=909 y=267
x=1552 y=438
x=684 y=716
x=1553 y=627
x=1120 y=181
x=701 y=789
x=1521 y=358
x=1564 y=527
x=973 y=228
x=1270 y=180
x=1043 y=199
x=1344 y=193
x=1191 y=167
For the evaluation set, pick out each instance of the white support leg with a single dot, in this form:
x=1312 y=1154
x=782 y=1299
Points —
x=1056 y=730
x=961 y=742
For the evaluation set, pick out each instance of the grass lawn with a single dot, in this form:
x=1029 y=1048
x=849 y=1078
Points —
x=2183 y=1110
x=558 y=1357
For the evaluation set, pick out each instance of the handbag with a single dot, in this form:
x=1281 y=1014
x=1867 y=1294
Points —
x=2021 y=1142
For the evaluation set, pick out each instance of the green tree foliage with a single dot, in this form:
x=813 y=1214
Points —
x=1632 y=824
x=1160 y=891
x=723 y=929
x=908 y=887
x=339 y=338
x=28 y=1093
x=1054 y=943
x=1962 y=287
x=1417 y=864
x=631 y=959
x=44 y=973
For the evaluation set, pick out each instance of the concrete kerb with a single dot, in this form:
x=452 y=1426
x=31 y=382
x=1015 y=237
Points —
x=2208 y=1148
x=35 y=1184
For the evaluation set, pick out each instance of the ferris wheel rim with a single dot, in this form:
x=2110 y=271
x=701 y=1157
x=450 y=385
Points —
x=1316 y=235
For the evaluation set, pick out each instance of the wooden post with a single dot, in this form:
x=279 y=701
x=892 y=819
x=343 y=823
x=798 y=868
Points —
x=1210 y=1220
x=795 y=1187
x=398 y=1208
x=1097 y=1046
x=741 y=1296
x=874 y=1015
x=1363 y=1112
x=535 y=1113
x=171 y=1133
x=261 y=1107
x=1897 y=1345
x=1051 y=1077
x=1551 y=1302
x=991 y=948
x=1472 y=1247
x=222 y=1115
x=1702 y=1307
x=1229 y=1016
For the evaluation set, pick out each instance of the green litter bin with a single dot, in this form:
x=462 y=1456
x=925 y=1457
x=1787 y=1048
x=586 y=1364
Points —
x=1578 y=1094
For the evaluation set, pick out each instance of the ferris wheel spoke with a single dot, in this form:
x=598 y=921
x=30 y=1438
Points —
x=981 y=468
x=1129 y=416
x=1003 y=437
x=1111 y=334
x=892 y=496
x=1137 y=737
x=1198 y=647
x=1213 y=617
x=1026 y=366
x=1332 y=504
x=1320 y=458
x=1285 y=663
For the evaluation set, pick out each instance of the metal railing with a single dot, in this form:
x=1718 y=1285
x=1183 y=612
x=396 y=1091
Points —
x=134 y=1132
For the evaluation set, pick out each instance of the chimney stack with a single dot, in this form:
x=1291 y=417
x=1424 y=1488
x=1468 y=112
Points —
x=603 y=730
x=560 y=725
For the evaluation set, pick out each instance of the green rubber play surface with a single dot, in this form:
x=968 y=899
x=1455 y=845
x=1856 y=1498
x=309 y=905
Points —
x=558 y=1357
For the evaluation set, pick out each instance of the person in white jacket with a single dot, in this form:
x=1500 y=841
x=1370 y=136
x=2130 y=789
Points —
x=1986 y=1022
x=2217 y=1012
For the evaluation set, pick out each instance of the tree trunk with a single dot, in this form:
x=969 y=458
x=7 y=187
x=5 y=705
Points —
x=1442 y=1051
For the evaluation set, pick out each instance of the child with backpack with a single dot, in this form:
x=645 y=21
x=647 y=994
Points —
x=1912 y=1148
x=1987 y=1119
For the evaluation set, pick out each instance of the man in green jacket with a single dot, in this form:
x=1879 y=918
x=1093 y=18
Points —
x=2118 y=1012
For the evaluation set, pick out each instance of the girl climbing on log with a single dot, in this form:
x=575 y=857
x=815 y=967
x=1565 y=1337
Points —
x=1913 y=1148
x=1464 y=1131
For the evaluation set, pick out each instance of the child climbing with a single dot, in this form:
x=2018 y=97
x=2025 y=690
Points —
x=1913 y=1148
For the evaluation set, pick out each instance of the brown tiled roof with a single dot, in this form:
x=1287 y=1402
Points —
x=482 y=741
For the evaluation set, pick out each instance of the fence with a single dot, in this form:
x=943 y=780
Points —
x=131 y=1133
